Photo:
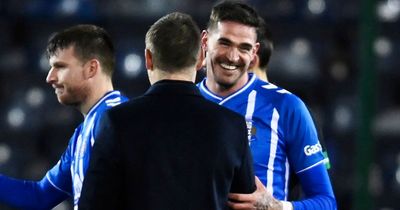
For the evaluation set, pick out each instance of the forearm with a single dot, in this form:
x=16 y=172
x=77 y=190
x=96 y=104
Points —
x=317 y=189
x=25 y=194
x=315 y=203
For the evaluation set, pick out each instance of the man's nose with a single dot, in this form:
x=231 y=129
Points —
x=51 y=76
x=233 y=54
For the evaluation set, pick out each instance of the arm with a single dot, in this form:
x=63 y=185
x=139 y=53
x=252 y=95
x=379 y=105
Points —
x=102 y=185
x=306 y=158
x=29 y=194
x=44 y=194
x=316 y=186
x=317 y=189
x=261 y=199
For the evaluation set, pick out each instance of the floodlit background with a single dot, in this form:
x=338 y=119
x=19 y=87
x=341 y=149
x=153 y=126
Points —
x=340 y=56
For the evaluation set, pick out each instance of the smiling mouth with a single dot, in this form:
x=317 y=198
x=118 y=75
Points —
x=228 y=67
x=58 y=90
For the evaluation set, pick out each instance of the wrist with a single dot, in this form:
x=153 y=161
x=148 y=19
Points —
x=286 y=205
x=267 y=202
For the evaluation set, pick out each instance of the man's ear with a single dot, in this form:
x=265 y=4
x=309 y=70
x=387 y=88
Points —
x=255 y=49
x=255 y=62
x=149 y=59
x=204 y=38
x=93 y=66
x=200 y=60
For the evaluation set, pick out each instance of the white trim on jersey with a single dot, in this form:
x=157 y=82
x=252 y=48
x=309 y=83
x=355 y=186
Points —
x=251 y=103
x=55 y=186
x=312 y=166
x=205 y=89
x=270 y=86
x=113 y=102
x=92 y=141
x=92 y=129
x=283 y=91
x=272 y=150
x=252 y=79
x=287 y=173
x=115 y=92
x=287 y=205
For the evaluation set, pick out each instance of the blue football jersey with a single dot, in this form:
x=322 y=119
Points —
x=281 y=133
x=68 y=174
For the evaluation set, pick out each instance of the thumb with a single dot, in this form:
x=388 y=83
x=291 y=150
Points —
x=260 y=186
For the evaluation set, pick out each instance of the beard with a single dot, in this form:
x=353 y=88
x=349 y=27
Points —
x=226 y=78
x=73 y=96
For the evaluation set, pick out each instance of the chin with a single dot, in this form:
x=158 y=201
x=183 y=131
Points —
x=66 y=101
x=63 y=102
x=226 y=83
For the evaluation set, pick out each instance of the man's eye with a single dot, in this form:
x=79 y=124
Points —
x=224 y=43
x=245 y=49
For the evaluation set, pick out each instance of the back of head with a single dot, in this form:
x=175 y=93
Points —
x=174 y=41
x=235 y=11
x=89 y=41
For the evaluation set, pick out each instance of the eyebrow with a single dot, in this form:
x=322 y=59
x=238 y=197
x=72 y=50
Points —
x=58 y=64
x=222 y=39
x=241 y=45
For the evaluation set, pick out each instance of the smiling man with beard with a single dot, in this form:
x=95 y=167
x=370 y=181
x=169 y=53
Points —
x=280 y=128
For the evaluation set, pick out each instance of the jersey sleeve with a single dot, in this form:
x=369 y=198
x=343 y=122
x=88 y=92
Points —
x=34 y=195
x=60 y=175
x=304 y=149
x=317 y=189
x=44 y=194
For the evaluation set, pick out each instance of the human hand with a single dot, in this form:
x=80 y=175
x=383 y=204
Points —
x=260 y=199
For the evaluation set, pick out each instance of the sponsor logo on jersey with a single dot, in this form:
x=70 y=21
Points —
x=312 y=149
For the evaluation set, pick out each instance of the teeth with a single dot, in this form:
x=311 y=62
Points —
x=57 y=90
x=226 y=66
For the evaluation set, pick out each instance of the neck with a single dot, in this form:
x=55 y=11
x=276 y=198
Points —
x=262 y=74
x=224 y=90
x=95 y=93
x=183 y=75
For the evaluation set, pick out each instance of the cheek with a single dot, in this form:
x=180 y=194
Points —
x=75 y=77
x=217 y=53
x=247 y=57
x=72 y=81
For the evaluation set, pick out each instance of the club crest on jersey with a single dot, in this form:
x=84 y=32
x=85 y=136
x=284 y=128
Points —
x=251 y=130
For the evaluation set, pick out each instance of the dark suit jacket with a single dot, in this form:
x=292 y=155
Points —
x=170 y=149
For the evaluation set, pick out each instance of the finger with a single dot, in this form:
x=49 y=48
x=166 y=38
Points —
x=240 y=206
x=241 y=197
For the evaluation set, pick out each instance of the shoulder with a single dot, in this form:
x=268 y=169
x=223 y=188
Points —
x=279 y=96
x=220 y=112
x=113 y=99
x=133 y=106
x=108 y=101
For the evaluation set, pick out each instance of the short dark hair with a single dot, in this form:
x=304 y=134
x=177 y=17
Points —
x=264 y=37
x=235 y=11
x=89 y=41
x=174 y=41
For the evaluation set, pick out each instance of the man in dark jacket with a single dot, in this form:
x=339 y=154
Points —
x=170 y=149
